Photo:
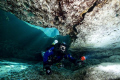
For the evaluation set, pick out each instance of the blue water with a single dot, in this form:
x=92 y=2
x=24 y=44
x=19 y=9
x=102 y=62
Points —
x=20 y=39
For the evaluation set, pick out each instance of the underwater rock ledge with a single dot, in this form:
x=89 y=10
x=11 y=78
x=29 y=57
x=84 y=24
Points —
x=62 y=14
x=90 y=23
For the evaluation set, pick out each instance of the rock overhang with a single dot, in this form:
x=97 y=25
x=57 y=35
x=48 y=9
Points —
x=62 y=14
x=91 y=24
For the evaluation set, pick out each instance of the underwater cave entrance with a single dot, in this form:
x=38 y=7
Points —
x=24 y=41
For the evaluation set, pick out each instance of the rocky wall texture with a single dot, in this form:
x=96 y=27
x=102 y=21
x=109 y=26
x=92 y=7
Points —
x=62 y=14
x=100 y=28
x=104 y=71
x=90 y=23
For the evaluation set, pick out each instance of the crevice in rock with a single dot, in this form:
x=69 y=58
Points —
x=73 y=36
x=74 y=27
x=89 y=10
x=56 y=18
x=83 y=15
x=60 y=11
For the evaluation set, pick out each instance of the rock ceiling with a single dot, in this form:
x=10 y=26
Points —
x=90 y=23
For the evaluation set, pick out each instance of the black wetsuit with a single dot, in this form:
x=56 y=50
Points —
x=54 y=55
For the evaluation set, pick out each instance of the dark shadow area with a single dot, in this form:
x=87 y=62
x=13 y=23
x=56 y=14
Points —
x=115 y=79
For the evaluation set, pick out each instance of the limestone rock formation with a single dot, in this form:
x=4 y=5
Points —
x=62 y=14
x=100 y=28
x=104 y=71
x=90 y=23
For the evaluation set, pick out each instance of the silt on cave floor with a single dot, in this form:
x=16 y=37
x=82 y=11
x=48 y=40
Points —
x=99 y=65
x=31 y=71
x=95 y=68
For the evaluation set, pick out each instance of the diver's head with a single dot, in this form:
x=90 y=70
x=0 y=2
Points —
x=63 y=47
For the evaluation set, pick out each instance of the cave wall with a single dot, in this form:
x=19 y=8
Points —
x=100 y=28
x=62 y=14
x=91 y=24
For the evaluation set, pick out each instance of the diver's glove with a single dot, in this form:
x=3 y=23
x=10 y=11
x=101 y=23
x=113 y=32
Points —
x=81 y=61
x=48 y=71
x=78 y=63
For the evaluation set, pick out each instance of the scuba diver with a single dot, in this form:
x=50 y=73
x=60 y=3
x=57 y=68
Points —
x=55 y=53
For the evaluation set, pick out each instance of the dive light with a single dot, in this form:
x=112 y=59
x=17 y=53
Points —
x=83 y=58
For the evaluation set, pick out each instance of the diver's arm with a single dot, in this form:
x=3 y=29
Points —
x=71 y=59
